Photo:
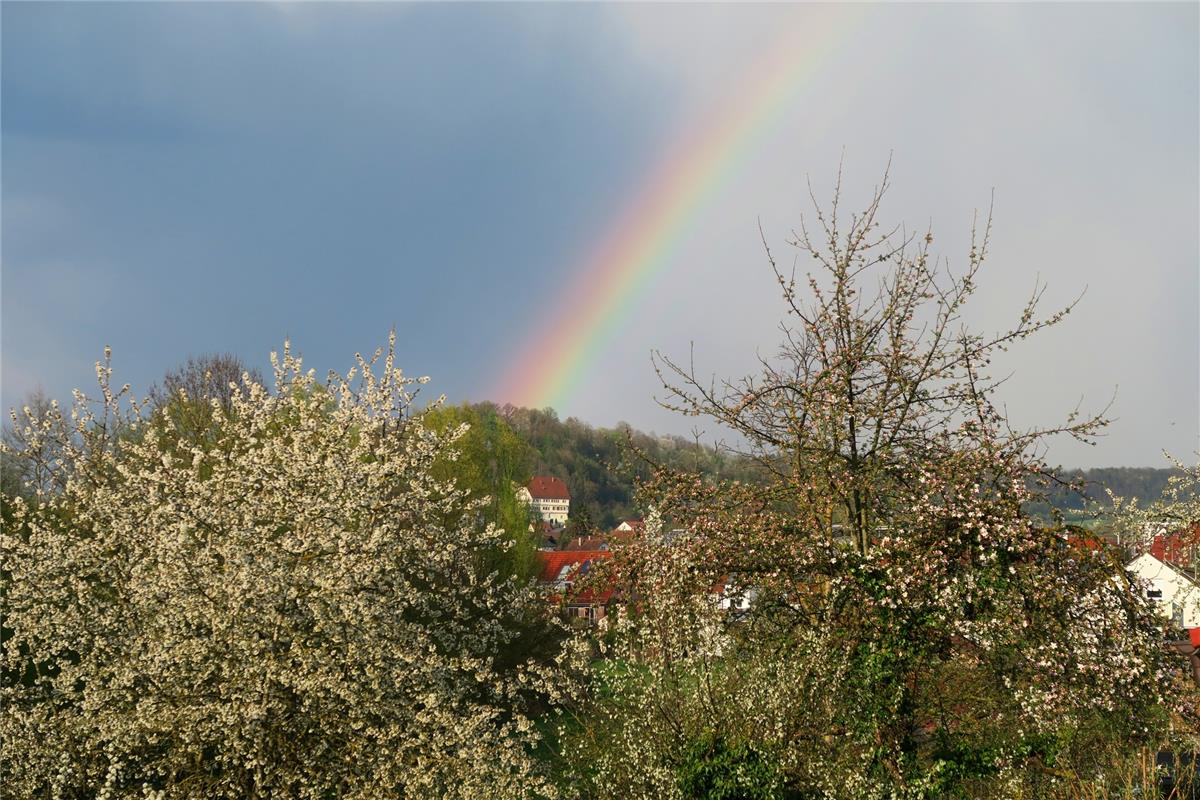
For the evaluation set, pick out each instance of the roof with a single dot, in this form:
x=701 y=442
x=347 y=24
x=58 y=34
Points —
x=546 y=487
x=587 y=543
x=559 y=568
x=1085 y=540
x=551 y=562
x=1180 y=549
x=726 y=585
x=620 y=537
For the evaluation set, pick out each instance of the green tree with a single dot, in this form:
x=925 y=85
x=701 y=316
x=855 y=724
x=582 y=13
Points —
x=491 y=462
x=601 y=466
x=580 y=524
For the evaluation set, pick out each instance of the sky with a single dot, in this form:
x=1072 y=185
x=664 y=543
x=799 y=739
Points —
x=180 y=179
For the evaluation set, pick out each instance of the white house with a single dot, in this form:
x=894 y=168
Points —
x=1176 y=593
x=549 y=498
x=729 y=596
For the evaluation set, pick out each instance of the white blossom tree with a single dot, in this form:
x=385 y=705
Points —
x=288 y=606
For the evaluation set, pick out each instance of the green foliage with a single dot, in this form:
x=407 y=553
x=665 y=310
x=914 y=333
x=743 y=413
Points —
x=491 y=461
x=595 y=464
x=579 y=524
x=713 y=769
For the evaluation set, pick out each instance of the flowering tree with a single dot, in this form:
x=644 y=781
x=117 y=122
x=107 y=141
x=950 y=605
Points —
x=914 y=633
x=1178 y=508
x=29 y=471
x=290 y=605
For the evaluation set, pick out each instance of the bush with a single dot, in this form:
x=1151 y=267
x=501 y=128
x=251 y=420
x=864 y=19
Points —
x=714 y=770
x=290 y=605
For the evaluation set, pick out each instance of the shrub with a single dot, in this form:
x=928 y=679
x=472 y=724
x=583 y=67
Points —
x=290 y=605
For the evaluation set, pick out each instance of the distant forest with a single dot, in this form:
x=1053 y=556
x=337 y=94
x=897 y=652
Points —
x=1144 y=483
x=601 y=479
x=595 y=462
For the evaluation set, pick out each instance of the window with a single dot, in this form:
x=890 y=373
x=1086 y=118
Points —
x=1154 y=594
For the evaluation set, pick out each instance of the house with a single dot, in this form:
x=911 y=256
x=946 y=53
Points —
x=730 y=596
x=549 y=498
x=1168 y=568
x=628 y=531
x=560 y=571
x=1189 y=647
x=1180 y=549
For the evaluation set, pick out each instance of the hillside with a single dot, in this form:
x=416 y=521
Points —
x=590 y=460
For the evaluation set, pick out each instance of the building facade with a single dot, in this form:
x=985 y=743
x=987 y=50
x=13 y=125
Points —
x=548 y=496
x=1174 y=591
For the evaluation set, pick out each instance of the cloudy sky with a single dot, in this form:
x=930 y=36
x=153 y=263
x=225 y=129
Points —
x=188 y=178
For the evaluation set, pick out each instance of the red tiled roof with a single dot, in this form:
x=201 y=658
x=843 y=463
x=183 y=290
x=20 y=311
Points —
x=1085 y=541
x=1181 y=548
x=552 y=564
x=545 y=487
x=726 y=586
x=552 y=561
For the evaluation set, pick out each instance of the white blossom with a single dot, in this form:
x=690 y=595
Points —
x=290 y=608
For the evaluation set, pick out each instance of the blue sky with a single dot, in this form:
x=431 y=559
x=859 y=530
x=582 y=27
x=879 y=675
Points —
x=189 y=178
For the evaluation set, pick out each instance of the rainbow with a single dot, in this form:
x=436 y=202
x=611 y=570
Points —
x=639 y=246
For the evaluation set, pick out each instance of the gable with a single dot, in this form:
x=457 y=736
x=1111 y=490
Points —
x=1148 y=567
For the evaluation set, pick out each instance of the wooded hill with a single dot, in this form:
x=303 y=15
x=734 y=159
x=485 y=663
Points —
x=591 y=461
x=1144 y=483
x=594 y=465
